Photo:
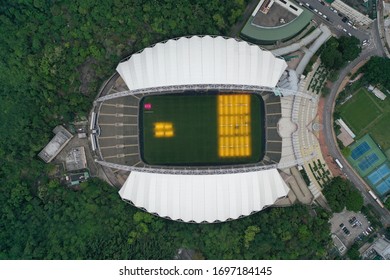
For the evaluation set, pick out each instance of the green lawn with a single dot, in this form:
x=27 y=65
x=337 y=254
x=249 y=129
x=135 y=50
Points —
x=194 y=119
x=365 y=113
x=381 y=131
x=359 y=111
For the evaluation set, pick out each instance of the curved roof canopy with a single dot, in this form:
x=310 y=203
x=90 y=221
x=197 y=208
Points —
x=201 y=60
x=204 y=198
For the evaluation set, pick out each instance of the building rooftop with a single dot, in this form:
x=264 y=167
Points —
x=201 y=60
x=56 y=144
x=75 y=159
x=204 y=198
x=382 y=247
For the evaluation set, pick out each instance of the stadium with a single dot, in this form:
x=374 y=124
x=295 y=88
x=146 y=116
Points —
x=197 y=121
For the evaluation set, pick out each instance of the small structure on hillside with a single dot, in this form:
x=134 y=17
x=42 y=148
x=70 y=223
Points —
x=346 y=135
x=339 y=244
x=381 y=247
x=377 y=92
x=75 y=179
x=56 y=144
x=267 y=4
x=76 y=159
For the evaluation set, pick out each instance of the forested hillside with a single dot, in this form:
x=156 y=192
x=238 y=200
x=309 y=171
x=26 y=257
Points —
x=54 y=56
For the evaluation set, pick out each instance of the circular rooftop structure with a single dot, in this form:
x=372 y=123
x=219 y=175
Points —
x=196 y=124
x=275 y=20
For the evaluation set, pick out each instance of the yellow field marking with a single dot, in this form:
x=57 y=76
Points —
x=168 y=133
x=234 y=135
x=163 y=129
x=159 y=133
x=168 y=126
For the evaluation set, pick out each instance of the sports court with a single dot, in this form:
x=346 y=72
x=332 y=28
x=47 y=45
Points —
x=359 y=150
x=366 y=155
x=371 y=163
x=200 y=129
x=384 y=187
x=380 y=179
x=379 y=174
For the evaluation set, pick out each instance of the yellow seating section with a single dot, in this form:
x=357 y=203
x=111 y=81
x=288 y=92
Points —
x=163 y=130
x=234 y=134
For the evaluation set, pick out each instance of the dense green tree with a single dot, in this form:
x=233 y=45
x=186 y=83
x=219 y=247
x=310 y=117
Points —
x=376 y=71
x=387 y=233
x=387 y=203
x=336 y=52
x=346 y=151
x=340 y=194
x=353 y=252
x=349 y=47
x=354 y=201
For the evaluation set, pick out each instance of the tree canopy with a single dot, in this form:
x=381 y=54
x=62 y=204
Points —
x=376 y=71
x=340 y=193
x=93 y=223
x=387 y=203
x=349 y=47
x=337 y=52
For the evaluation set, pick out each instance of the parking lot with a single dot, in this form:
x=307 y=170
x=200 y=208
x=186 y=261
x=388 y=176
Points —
x=340 y=23
x=350 y=226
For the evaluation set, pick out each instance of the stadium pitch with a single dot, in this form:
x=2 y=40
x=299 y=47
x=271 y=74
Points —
x=202 y=129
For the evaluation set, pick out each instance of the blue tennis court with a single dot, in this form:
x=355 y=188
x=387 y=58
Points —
x=368 y=161
x=384 y=187
x=380 y=173
x=360 y=150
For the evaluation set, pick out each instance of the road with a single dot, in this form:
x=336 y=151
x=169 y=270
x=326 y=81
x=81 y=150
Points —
x=376 y=49
x=333 y=19
x=236 y=28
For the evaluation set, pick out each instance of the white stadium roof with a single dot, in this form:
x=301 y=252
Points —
x=204 y=198
x=201 y=60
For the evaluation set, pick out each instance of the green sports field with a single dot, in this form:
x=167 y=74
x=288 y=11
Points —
x=365 y=113
x=191 y=127
x=359 y=111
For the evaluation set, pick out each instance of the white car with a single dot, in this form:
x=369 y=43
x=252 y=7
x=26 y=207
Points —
x=349 y=34
x=345 y=30
x=320 y=13
x=315 y=10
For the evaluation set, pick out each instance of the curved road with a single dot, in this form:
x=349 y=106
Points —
x=375 y=50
